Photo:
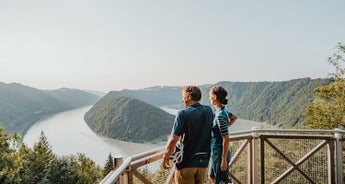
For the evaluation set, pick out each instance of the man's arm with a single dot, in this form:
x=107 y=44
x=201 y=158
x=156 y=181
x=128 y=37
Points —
x=169 y=149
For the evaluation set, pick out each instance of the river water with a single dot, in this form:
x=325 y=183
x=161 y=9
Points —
x=67 y=133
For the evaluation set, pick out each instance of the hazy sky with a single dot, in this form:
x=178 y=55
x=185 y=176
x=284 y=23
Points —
x=112 y=45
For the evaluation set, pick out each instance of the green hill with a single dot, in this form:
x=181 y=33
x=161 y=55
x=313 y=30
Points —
x=277 y=103
x=21 y=106
x=169 y=96
x=157 y=96
x=129 y=119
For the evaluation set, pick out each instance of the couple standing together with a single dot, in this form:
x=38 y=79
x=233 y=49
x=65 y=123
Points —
x=205 y=138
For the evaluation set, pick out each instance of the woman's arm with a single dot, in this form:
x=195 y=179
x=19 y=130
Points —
x=232 y=120
x=225 y=149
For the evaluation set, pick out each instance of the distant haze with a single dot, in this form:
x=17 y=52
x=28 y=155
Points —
x=112 y=45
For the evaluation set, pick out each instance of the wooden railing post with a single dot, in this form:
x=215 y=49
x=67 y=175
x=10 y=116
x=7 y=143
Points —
x=331 y=162
x=254 y=156
x=339 y=154
x=117 y=163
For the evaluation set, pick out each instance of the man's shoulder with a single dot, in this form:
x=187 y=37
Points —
x=205 y=108
x=208 y=108
x=198 y=107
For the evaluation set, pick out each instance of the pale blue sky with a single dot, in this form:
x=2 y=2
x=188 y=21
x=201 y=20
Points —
x=112 y=45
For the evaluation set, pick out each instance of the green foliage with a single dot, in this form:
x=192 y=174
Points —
x=109 y=165
x=59 y=171
x=72 y=170
x=86 y=170
x=157 y=176
x=36 y=161
x=277 y=103
x=20 y=164
x=128 y=119
x=338 y=61
x=22 y=106
x=327 y=111
x=10 y=158
x=157 y=96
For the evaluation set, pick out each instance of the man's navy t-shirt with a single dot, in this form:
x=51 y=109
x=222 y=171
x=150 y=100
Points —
x=194 y=125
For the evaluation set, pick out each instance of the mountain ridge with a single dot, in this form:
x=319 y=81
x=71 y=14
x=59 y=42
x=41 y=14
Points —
x=21 y=106
x=279 y=103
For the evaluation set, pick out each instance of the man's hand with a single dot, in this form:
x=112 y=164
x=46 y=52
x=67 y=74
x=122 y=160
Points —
x=165 y=163
x=169 y=149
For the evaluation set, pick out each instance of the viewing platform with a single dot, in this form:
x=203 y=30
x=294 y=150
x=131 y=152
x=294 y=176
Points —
x=258 y=156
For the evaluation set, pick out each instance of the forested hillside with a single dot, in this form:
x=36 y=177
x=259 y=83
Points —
x=21 y=106
x=157 y=96
x=277 y=103
x=129 y=119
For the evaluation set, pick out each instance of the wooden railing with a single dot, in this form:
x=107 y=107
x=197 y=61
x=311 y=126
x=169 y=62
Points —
x=258 y=156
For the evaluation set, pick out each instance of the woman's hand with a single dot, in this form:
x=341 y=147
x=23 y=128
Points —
x=223 y=165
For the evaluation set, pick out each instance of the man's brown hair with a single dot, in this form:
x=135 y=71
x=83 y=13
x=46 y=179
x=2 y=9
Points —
x=193 y=91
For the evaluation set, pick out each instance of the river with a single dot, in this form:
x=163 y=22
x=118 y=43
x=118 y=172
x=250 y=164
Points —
x=67 y=133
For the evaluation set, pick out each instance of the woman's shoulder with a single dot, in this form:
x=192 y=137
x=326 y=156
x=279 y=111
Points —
x=222 y=112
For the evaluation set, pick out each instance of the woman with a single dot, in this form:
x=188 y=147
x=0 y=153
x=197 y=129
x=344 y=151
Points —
x=220 y=154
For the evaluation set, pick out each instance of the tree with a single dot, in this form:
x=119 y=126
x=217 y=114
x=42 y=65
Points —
x=338 y=61
x=36 y=161
x=327 y=111
x=59 y=171
x=10 y=157
x=72 y=170
x=109 y=165
x=20 y=164
x=86 y=170
x=328 y=108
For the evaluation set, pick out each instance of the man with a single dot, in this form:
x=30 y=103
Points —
x=192 y=126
